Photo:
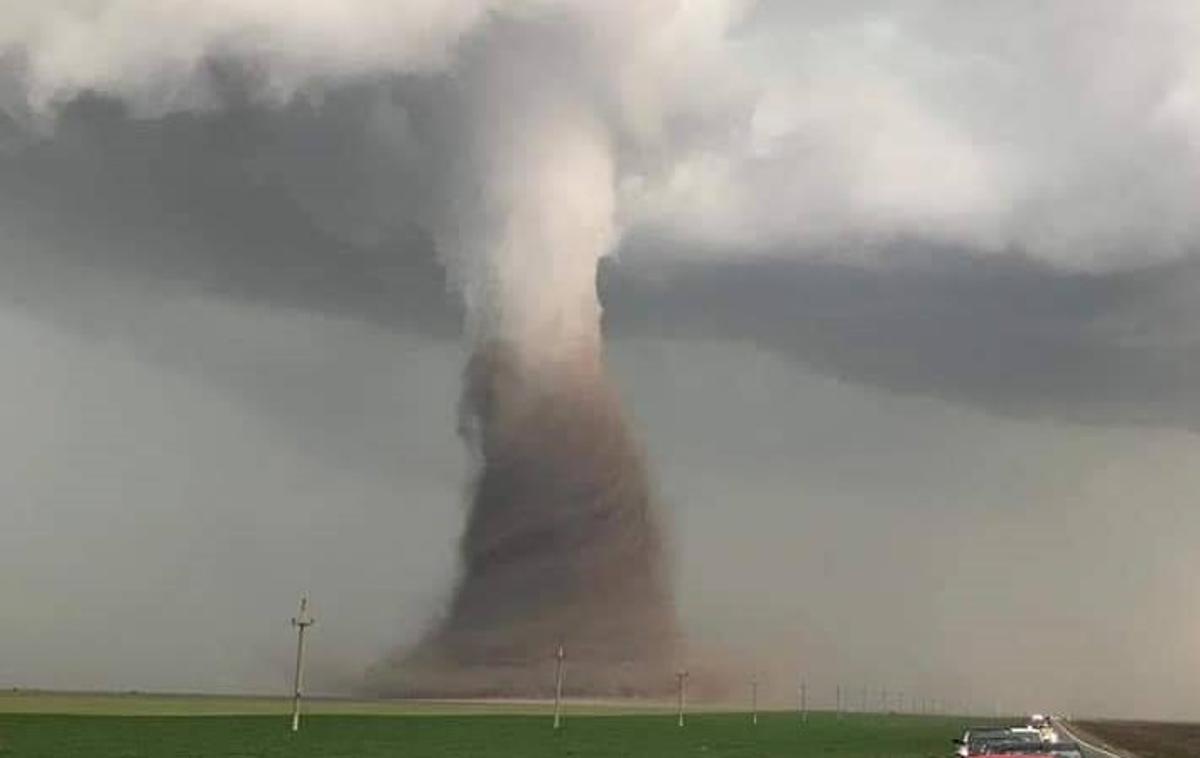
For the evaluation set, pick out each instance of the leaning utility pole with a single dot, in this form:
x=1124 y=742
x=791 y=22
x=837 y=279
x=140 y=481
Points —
x=302 y=621
x=559 y=657
x=682 y=677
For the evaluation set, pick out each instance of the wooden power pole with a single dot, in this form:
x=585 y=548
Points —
x=682 y=677
x=559 y=657
x=302 y=622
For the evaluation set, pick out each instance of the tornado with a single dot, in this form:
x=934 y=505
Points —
x=564 y=543
x=562 y=546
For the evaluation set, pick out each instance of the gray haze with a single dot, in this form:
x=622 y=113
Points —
x=904 y=309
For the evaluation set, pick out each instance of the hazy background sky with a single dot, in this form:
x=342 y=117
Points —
x=905 y=312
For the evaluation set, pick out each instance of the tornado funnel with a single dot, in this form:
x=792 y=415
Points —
x=563 y=545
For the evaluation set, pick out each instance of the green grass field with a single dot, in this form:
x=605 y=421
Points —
x=49 y=725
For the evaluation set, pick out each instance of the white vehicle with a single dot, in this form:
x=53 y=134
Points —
x=1044 y=727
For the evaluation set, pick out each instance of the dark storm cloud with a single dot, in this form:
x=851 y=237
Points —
x=282 y=207
x=287 y=157
x=1005 y=334
x=242 y=202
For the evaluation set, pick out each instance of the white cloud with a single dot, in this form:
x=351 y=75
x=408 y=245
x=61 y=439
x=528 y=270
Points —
x=1070 y=131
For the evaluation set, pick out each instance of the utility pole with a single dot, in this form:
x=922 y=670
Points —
x=559 y=657
x=754 y=699
x=682 y=677
x=837 y=703
x=302 y=621
x=803 y=701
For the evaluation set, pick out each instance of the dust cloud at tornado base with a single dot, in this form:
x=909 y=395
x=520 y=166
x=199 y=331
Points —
x=563 y=545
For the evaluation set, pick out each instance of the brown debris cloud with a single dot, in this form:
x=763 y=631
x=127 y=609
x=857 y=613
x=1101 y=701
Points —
x=563 y=544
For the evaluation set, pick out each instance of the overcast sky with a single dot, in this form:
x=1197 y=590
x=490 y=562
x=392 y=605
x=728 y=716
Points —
x=903 y=305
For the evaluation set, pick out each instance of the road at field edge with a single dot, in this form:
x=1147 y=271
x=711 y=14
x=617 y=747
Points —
x=1090 y=750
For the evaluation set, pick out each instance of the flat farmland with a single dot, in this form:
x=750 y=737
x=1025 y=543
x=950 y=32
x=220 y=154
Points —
x=437 y=730
x=1149 y=739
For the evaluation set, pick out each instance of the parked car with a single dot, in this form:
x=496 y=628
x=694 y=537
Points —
x=1065 y=750
x=974 y=739
x=1001 y=741
x=1020 y=748
x=1007 y=741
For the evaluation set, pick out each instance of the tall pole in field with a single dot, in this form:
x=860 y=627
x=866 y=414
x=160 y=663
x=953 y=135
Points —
x=559 y=658
x=682 y=677
x=754 y=698
x=803 y=701
x=837 y=703
x=302 y=621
